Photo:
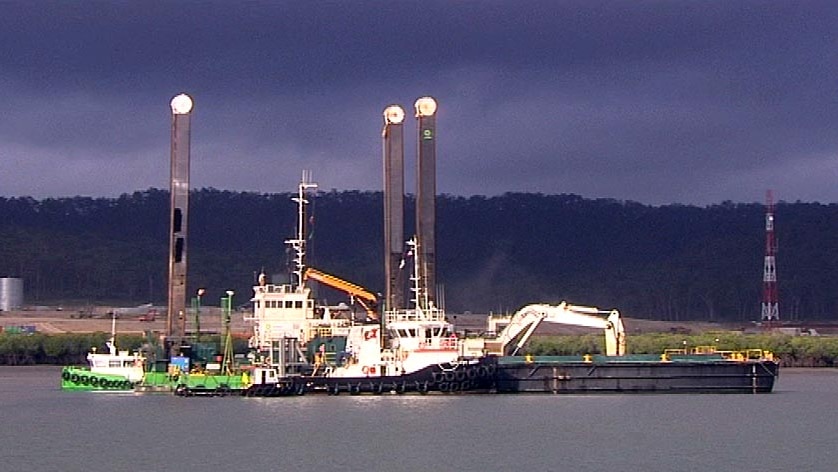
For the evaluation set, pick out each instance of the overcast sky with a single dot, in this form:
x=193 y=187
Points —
x=692 y=102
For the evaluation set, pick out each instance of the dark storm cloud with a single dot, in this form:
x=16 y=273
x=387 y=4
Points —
x=692 y=102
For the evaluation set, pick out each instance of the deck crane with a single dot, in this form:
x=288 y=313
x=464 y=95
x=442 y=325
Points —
x=363 y=296
x=527 y=319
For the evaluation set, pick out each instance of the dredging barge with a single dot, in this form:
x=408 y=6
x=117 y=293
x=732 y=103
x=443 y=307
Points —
x=298 y=348
x=520 y=375
x=679 y=373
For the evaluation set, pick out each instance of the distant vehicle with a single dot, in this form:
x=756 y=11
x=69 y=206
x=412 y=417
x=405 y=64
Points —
x=128 y=312
x=150 y=315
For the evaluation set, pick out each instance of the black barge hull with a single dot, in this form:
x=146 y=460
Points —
x=541 y=374
x=519 y=375
x=475 y=376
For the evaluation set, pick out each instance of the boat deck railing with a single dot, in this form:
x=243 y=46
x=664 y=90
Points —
x=279 y=288
x=427 y=314
x=711 y=351
x=671 y=355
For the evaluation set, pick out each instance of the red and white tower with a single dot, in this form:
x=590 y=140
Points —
x=770 y=305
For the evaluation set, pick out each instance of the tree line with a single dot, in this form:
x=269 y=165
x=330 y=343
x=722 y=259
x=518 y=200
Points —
x=792 y=351
x=494 y=254
x=73 y=348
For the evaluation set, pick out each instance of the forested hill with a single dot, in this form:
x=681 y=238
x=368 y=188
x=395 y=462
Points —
x=670 y=262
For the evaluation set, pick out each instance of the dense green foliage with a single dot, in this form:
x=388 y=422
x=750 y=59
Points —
x=72 y=348
x=493 y=253
x=44 y=349
x=793 y=351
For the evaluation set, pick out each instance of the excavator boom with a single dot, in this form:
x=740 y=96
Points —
x=527 y=319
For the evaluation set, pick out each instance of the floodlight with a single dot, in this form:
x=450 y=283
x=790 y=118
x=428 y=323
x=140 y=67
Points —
x=425 y=106
x=393 y=115
x=181 y=104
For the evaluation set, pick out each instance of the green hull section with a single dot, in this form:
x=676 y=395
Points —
x=221 y=383
x=197 y=383
x=81 y=379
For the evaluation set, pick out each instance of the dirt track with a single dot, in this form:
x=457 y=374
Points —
x=68 y=321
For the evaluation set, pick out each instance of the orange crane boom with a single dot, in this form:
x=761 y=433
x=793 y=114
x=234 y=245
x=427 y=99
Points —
x=364 y=297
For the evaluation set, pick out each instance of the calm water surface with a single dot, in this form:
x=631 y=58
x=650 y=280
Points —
x=45 y=429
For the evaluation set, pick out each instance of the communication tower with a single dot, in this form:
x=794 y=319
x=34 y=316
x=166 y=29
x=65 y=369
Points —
x=770 y=305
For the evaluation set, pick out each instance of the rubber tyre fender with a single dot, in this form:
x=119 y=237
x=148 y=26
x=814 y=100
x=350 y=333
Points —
x=84 y=380
x=94 y=381
x=65 y=375
x=75 y=378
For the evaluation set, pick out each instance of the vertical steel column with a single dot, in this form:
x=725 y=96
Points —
x=426 y=193
x=179 y=210
x=393 y=143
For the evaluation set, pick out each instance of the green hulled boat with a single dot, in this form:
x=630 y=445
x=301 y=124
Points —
x=85 y=378
x=111 y=371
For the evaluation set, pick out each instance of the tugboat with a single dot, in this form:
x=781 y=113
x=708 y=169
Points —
x=410 y=350
x=112 y=371
x=298 y=348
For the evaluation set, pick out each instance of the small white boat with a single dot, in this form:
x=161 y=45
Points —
x=112 y=370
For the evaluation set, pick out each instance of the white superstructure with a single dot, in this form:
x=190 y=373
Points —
x=284 y=317
x=116 y=362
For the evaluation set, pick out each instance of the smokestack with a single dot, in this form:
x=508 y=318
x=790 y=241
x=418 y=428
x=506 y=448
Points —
x=393 y=142
x=179 y=210
x=426 y=192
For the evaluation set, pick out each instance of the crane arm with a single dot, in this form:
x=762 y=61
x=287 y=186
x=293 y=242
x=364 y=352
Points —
x=365 y=298
x=527 y=319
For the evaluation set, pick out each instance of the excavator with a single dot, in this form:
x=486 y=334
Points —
x=364 y=297
x=527 y=319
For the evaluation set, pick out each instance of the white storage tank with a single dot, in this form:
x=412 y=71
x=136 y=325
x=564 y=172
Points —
x=11 y=293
